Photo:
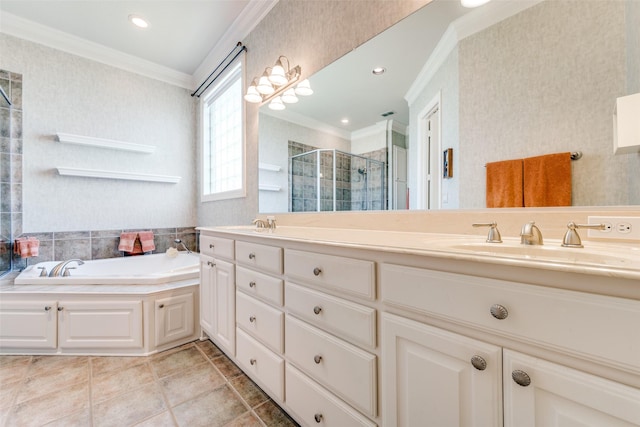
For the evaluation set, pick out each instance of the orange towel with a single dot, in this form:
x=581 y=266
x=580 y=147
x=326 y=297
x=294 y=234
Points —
x=127 y=240
x=146 y=241
x=504 y=184
x=547 y=180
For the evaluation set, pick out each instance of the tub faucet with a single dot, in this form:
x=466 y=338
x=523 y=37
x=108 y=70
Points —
x=179 y=242
x=55 y=271
x=530 y=234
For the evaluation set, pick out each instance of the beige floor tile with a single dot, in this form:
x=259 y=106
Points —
x=40 y=382
x=102 y=364
x=215 y=408
x=129 y=408
x=50 y=407
x=79 y=419
x=8 y=392
x=44 y=364
x=226 y=366
x=165 y=365
x=112 y=383
x=13 y=368
x=164 y=419
x=246 y=420
x=250 y=392
x=191 y=382
x=208 y=349
x=273 y=416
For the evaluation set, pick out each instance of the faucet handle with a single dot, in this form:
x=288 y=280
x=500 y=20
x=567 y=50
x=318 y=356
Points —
x=572 y=238
x=494 y=234
x=43 y=271
x=259 y=223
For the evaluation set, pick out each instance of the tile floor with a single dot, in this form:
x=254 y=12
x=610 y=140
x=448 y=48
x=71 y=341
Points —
x=192 y=385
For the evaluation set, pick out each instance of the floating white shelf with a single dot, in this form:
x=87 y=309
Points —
x=265 y=187
x=105 y=143
x=269 y=167
x=128 y=176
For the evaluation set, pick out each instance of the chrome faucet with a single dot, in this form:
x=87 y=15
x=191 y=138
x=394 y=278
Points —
x=494 y=234
x=572 y=239
x=60 y=267
x=530 y=234
x=269 y=223
x=179 y=242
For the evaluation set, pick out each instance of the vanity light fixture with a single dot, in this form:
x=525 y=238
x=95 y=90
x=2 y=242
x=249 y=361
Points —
x=138 y=21
x=276 y=84
x=473 y=3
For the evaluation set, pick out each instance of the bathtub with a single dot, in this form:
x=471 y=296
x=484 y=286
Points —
x=135 y=270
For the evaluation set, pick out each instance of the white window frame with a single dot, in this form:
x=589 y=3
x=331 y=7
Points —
x=228 y=78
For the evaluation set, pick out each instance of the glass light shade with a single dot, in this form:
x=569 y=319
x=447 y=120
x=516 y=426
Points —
x=277 y=76
x=289 y=96
x=304 y=88
x=253 y=95
x=264 y=86
x=276 y=104
x=473 y=3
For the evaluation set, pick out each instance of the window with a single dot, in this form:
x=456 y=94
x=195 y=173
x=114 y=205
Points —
x=223 y=174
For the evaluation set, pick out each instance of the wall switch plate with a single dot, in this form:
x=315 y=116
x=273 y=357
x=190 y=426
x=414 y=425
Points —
x=616 y=227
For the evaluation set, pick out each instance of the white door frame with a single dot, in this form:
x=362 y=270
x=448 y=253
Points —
x=433 y=201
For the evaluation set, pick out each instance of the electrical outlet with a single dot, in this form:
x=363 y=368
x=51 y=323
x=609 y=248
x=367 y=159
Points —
x=616 y=227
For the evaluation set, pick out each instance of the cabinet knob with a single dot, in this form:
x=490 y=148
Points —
x=211 y=245
x=479 y=363
x=253 y=361
x=211 y=264
x=252 y=256
x=47 y=308
x=499 y=311
x=252 y=284
x=317 y=358
x=161 y=306
x=317 y=309
x=252 y=319
x=318 y=418
x=60 y=308
x=521 y=377
x=317 y=271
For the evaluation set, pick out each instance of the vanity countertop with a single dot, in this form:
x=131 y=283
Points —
x=619 y=260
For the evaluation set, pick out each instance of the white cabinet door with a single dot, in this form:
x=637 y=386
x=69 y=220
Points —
x=174 y=318
x=28 y=324
x=100 y=324
x=224 y=309
x=560 y=396
x=428 y=377
x=207 y=301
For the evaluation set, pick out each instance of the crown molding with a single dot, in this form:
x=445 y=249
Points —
x=28 y=30
x=308 y=122
x=251 y=15
x=465 y=26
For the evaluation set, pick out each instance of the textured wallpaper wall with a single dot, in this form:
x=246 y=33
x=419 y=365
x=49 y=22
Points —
x=69 y=94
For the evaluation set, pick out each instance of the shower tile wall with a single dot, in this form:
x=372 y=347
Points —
x=373 y=196
x=10 y=165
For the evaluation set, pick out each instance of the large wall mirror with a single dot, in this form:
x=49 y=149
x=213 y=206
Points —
x=461 y=88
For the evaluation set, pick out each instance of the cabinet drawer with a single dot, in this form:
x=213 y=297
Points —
x=313 y=404
x=261 y=364
x=216 y=247
x=354 y=322
x=263 y=257
x=595 y=327
x=263 y=322
x=343 y=368
x=260 y=285
x=353 y=276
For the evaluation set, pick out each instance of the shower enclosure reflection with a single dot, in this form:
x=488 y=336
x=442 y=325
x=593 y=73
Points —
x=323 y=180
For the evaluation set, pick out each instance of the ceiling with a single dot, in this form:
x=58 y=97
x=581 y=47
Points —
x=181 y=35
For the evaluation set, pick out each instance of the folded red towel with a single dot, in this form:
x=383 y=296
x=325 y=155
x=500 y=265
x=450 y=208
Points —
x=146 y=241
x=127 y=239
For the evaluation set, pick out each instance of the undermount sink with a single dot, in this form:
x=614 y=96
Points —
x=593 y=254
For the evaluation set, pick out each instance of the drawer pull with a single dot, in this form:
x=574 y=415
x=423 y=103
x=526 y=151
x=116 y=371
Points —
x=161 y=306
x=317 y=358
x=252 y=284
x=252 y=319
x=60 y=308
x=47 y=308
x=317 y=309
x=317 y=271
x=318 y=418
x=499 y=311
x=211 y=264
x=521 y=378
x=211 y=245
x=252 y=256
x=479 y=363
x=253 y=361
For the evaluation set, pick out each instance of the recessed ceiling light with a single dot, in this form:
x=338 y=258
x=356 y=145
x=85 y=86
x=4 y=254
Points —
x=344 y=121
x=138 y=21
x=378 y=71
